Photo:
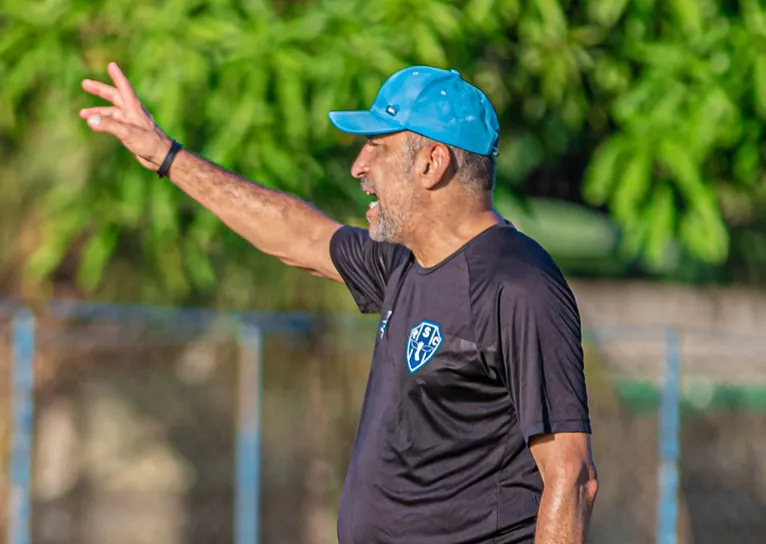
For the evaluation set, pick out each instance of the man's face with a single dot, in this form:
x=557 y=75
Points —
x=384 y=170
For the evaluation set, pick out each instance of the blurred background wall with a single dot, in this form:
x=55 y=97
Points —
x=632 y=149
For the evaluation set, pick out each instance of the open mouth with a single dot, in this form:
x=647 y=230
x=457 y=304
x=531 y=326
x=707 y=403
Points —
x=374 y=203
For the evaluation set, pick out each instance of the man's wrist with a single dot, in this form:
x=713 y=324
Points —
x=164 y=168
x=163 y=148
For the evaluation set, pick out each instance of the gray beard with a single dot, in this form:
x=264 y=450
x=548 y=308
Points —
x=388 y=227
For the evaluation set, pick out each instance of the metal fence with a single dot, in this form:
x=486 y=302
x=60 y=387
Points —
x=132 y=425
x=679 y=419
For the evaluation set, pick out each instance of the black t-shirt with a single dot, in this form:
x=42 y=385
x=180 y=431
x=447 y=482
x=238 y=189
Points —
x=472 y=358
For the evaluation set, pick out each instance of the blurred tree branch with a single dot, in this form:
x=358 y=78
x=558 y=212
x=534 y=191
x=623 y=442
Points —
x=667 y=103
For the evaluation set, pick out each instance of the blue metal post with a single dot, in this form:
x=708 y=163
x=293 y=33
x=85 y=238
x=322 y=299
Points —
x=248 y=484
x=667 y=513
x=22 y=404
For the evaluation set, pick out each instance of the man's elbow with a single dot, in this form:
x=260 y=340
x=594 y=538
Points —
x=581 y=476
x=590 y=489
x=588 y=482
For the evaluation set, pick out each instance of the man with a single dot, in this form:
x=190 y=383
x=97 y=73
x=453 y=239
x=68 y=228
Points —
x=475 y=424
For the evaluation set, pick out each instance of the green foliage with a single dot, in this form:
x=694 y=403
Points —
x=668 y=97
x=692 y=106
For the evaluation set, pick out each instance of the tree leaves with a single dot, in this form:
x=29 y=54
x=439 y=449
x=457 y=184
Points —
x=688 y=102
x=759 y=84
x=634 y=187
x=669 y=98
x=603 y=172
x=480 y=13
x=606 y=12
x=688 y=16
x=96 y=254
x=662 y=215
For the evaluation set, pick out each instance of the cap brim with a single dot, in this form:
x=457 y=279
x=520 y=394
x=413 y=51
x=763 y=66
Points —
x=363 y=122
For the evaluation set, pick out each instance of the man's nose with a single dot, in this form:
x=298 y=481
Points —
x=359 y=168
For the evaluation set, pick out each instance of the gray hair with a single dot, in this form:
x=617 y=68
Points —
x=476 y=172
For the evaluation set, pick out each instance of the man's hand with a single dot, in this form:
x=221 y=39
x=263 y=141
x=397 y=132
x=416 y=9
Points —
x=126 y=119
x=278 y=224
x=570 y=484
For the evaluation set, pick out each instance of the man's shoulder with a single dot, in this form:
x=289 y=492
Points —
x=512 y=276
x=507 y=258
x=357 y=240
x=510 y=269
x=365 y=265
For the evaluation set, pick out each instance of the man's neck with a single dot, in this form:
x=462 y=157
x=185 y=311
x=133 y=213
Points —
x=435 y=240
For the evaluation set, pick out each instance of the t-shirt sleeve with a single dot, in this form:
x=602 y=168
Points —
x=364 y=264
x=543 y=356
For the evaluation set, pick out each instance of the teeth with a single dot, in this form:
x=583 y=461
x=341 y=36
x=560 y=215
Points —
x=373 y=204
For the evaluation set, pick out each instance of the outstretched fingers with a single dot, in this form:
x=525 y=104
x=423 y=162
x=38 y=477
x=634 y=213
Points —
x=110 y=125
x=126 y=119
x=102 y=90
x=125 y=89
x=103 y=111
x=121 y=94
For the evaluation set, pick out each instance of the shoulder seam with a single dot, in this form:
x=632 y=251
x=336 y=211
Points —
x=478 y=339
x=470 y=302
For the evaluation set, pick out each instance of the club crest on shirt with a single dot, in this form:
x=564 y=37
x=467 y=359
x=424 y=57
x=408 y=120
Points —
x=423 y=343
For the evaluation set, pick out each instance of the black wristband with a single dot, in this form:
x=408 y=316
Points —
x=175 y=147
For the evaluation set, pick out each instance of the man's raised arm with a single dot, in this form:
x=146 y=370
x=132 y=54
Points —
x=276 y=223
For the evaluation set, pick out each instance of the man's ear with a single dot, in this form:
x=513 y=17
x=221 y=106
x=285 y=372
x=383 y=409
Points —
x=437 y=164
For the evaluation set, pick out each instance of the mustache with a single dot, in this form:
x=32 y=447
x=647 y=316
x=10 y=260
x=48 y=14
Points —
x=366 y=185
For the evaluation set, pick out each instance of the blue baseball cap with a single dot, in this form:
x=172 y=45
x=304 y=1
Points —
x=435 y=103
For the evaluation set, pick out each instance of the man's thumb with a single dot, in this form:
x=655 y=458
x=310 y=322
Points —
x=109 y=125
x=94 y=121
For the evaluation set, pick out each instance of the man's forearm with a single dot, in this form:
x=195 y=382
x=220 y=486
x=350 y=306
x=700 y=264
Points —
x=274 y=222
x=564 y=513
